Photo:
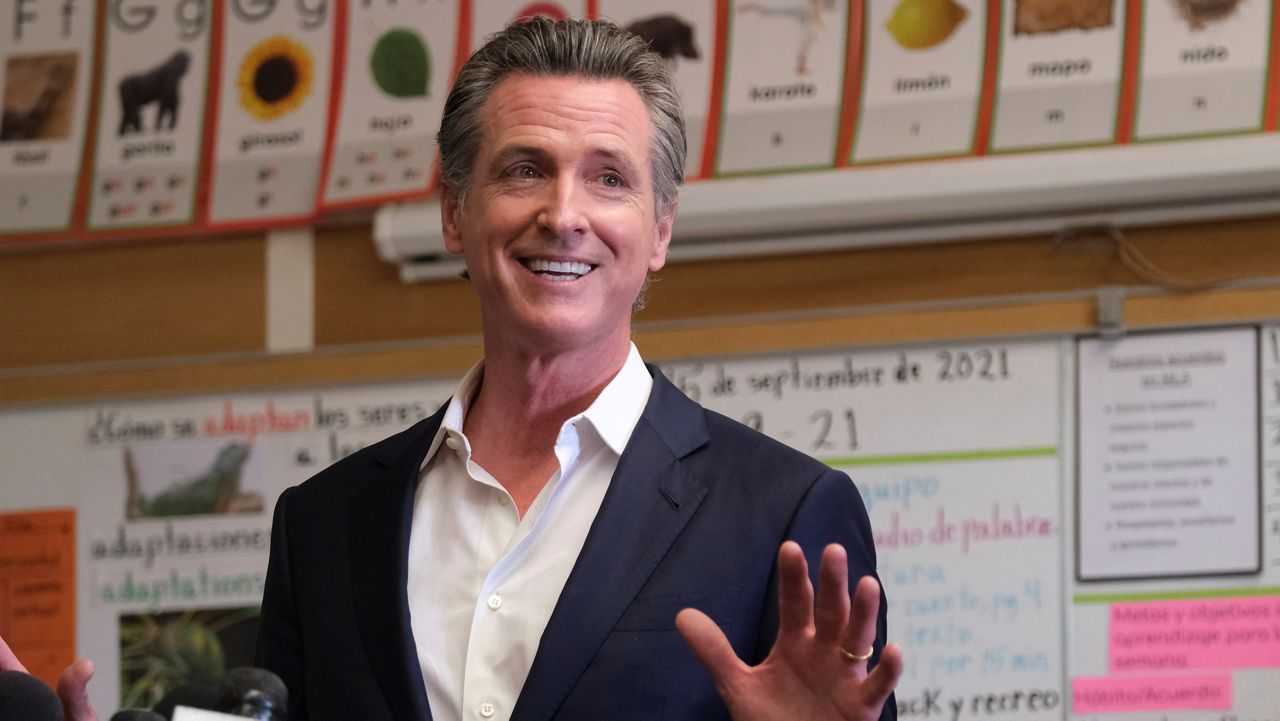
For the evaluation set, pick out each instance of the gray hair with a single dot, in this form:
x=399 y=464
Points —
x=590 y=49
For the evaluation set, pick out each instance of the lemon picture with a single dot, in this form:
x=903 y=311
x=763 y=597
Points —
x=920 y=24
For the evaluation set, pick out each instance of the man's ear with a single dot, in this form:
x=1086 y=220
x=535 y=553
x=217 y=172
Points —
x=451 y=219
x=662 y=237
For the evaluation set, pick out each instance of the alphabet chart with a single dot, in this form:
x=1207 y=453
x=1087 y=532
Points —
x=151 y=114
x=398 y=64
x=275 y=61
x=45 y=71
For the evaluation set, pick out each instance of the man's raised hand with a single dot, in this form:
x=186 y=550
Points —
x=817 y=670
x=73 y=686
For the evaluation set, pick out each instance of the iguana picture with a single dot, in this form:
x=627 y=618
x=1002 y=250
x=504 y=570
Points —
x=216 y=490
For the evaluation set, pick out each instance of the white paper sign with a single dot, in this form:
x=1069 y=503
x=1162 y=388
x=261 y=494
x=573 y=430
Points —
x=1204 y=69
x=1168 y=470
x=187 y=713
x=783 y=86
x=920 y=90
x=174 y=523
x=46 y=62
x=151 y=114
x=397 y=69
x=490 y=16
x=1059 y=80
x=273 y=111
x=683 y=33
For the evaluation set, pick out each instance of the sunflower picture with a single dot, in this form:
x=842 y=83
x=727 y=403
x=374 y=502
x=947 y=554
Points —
x=275 y=77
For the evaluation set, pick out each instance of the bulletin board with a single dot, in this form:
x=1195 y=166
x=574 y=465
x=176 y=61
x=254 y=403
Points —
x=967 y=454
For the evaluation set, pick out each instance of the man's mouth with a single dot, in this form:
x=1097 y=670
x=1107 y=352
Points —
x=557 y=269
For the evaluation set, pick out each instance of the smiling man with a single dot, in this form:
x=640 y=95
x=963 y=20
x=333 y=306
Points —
x=569 y=537
x=524 y=553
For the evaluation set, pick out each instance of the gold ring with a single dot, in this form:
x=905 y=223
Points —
x=850 y=656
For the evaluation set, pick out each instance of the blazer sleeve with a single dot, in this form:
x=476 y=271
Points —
x=831 y=512
x=279 y=636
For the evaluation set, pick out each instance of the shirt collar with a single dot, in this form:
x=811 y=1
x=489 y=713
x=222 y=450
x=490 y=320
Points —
x=618 y=408
x=613 y=414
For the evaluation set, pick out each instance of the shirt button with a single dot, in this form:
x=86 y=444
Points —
x=453 y=443
x=495 y=602
x=487 y=710
x=503 y=500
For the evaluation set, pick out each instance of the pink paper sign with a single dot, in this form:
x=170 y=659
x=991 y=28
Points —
x=1223 y=633
x=1111 y=695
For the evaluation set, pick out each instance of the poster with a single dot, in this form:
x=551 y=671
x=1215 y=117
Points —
x=922 y=78
x=1202 y=648
x=46 y=64
x=1060 y=70
x=176 y=502
x=151 y=117
x=955 y=450
x=38 y=589
x=490 y=16
x=271 y=111
x=397 y=67
x=684 y=34
x=1168 y=470
x=1204 y=68
x=783 y=86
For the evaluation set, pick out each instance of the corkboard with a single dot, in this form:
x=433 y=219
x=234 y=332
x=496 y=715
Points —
x=163 y=319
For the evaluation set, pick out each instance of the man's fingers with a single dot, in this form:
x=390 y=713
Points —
x=709 y=646
x=73 y=689
x=880 y=683
x=832 y=612
x=861 y=632
x=795 y=593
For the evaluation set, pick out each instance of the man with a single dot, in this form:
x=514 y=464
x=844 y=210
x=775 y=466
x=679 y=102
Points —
x=534 y=550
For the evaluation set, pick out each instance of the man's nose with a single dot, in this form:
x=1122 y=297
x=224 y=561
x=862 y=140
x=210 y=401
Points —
x=563 y=214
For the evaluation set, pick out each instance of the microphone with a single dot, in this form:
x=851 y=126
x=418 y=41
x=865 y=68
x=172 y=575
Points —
x=254 y=693
x=23 y=696
x=136 y=714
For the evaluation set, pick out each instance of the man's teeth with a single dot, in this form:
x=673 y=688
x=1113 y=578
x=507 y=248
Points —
x=570 y=268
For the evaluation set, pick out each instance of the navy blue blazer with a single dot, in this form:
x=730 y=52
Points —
x=693 y=517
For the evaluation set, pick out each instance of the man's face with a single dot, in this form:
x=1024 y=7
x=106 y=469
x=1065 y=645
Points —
x=559 y=228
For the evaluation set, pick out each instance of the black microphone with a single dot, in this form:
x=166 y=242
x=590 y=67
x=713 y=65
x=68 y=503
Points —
x=254 y=693
x=23 y=696
x=136 y=714
x=193 y=695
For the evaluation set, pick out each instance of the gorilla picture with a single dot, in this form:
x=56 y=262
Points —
x=158 y=85
x=668 y=36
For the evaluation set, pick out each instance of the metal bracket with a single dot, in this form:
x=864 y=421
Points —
x=1111 y=311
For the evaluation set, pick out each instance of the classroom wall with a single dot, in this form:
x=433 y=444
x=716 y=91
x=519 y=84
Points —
x=179 y=316
x=140 y=362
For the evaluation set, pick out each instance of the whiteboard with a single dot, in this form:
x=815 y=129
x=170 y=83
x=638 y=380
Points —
x=956 y=450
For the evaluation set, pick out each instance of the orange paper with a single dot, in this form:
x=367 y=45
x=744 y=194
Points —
x=38 y=589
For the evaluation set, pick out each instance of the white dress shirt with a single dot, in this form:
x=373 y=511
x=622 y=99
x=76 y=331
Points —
x=483 y=581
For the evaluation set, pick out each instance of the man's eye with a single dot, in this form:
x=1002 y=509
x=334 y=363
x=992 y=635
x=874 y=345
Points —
x=524 y=172
x=612 y=180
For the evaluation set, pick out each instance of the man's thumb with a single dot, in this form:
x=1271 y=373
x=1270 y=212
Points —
x=73 y=689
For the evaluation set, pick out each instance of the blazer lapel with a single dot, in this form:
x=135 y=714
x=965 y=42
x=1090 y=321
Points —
x=650 y=500
x=381 y=515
